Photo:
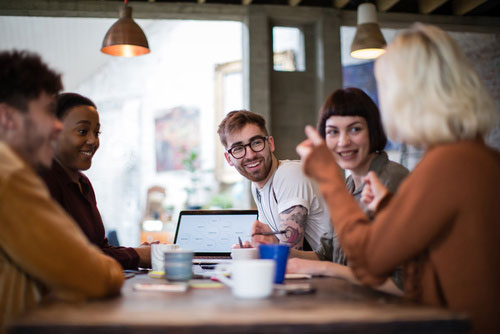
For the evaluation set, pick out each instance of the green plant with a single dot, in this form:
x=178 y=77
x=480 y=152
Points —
x=222 y=201
x=191 y=159
x=191 y=164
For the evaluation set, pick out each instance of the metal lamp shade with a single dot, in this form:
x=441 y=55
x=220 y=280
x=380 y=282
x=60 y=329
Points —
x=125 y=38
x=368 y=42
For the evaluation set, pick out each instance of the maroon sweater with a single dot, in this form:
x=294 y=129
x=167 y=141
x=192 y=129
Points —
x=82 y=206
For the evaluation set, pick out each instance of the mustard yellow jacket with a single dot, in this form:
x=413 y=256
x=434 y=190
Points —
x=42 y=250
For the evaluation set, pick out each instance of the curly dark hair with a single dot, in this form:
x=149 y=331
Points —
x=354 y=102
x=23 y=77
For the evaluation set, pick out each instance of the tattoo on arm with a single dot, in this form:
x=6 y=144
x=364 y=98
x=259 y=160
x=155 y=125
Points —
x=293 y=220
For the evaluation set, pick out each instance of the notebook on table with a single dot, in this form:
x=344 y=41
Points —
x=210 y=234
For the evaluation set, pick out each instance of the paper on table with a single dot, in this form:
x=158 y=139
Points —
x=205 y=284
x=180 y=287
x=156 y=274
x=298 y=276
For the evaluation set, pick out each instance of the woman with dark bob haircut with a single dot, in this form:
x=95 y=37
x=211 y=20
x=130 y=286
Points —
x=354 y=102
x=350 y=123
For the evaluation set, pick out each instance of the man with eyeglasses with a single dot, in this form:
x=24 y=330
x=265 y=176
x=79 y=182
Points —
x=288 y=202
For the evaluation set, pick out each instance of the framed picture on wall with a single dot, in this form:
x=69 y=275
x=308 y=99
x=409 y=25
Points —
x=177 y=131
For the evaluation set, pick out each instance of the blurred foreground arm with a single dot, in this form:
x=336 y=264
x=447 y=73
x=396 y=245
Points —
x=48 y=246
x=326 y=268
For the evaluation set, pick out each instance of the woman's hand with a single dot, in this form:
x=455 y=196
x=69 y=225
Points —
x=313 y=139
x=146 y=243
x=316 y=268
x=302 y=266
x=144 y=252
x=373 y=191
x=318 y=161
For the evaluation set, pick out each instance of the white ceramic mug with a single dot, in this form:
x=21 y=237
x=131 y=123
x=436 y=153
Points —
x=251 y=278
x=157 y=255
x=244 y=253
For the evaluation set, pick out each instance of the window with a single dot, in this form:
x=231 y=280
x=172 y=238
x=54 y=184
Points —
x=288 y=49
x=157 y=112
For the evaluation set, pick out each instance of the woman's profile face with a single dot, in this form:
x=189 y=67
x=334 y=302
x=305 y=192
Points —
x=79 y=139
x=348 y=138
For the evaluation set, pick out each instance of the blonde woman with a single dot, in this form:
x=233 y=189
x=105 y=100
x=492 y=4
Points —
x=443 y=224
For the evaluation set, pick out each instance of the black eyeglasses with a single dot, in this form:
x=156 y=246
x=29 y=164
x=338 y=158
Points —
x=257 y=144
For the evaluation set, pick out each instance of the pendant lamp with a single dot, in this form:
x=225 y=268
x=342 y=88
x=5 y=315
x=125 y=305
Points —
x=368 y=42
x=125 y=38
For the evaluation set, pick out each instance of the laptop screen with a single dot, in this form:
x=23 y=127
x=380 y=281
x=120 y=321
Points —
x=213 y=232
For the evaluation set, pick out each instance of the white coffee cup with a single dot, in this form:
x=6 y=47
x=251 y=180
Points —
x=251 y=279
x=244 y=253
x=157 y=255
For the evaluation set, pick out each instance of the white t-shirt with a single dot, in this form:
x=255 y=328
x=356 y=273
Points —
x=290 y=187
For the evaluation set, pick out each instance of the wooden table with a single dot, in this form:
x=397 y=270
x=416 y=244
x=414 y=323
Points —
x=336 y=307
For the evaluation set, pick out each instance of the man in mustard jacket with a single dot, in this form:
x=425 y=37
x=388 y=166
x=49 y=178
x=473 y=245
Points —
x=42 y=250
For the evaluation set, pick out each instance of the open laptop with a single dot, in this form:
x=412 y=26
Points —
x=211 y=233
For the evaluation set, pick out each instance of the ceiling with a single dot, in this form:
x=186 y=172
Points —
x=487 y=8
x=29 y=24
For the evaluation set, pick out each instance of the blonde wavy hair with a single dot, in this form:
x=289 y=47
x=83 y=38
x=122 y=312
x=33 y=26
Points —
x=429 y=92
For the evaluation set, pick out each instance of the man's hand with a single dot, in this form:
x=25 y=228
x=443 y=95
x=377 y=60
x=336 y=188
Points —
x=257 y=239
x=246 y=244
x=373 y=191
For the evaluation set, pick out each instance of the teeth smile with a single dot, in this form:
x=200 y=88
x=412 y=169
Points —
x=253 y=164
x=346 y=154
x=86 y=153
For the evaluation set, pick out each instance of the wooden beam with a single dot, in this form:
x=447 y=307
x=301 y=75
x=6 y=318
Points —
x=385 y=5
x=340 y=3
x=246 y=2
x=462 y=7
x=282 y=14
x=294 y=3
x=428 y=6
